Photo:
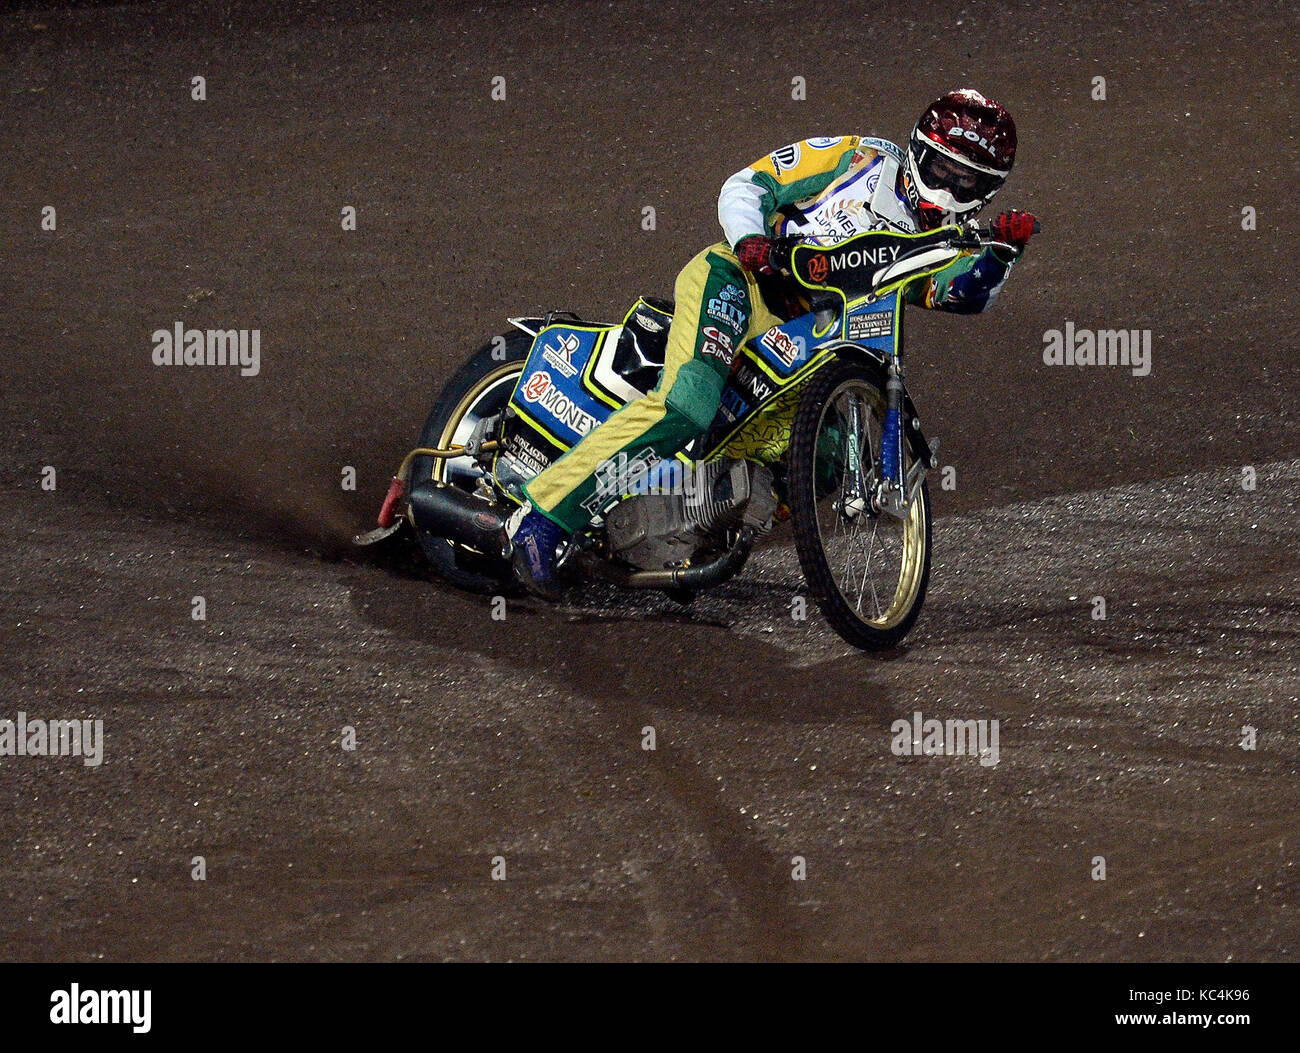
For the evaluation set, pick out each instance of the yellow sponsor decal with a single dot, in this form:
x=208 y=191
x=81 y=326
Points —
x=802 y=160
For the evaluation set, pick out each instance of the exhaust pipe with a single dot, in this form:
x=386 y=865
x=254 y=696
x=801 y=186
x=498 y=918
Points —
x=449 y=512
x=722 y=569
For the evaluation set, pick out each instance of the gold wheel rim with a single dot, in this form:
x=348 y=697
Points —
x=909 y=578
x=912 y=533
x=490 y=380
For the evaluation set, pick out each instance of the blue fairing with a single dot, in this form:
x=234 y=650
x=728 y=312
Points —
x=551 y=390
x=874 y=325
x=566 y=388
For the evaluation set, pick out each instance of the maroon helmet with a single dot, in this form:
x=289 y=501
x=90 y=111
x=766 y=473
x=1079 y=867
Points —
x=960 y=154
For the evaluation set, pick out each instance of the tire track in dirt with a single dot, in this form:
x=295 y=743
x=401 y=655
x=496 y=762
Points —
x=609 y=703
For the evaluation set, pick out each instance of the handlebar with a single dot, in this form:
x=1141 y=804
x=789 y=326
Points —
x=861 y=262
x=972 y=237
x=966 y=236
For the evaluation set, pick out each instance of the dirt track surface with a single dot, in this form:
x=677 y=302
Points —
x=522 y=738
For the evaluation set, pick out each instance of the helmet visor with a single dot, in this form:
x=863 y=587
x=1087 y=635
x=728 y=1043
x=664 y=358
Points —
x=966 y=184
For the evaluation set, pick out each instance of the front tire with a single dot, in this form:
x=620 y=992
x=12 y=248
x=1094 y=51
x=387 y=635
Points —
x=871 y=607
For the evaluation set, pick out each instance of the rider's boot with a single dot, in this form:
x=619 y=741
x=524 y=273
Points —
x=534 y=540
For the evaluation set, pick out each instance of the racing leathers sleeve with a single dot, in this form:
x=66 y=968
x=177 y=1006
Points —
x=966 y=286
x=751 y=198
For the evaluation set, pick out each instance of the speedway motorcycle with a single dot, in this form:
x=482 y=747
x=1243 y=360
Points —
x=815 y=424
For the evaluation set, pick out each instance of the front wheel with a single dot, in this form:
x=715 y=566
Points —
x=867 y=569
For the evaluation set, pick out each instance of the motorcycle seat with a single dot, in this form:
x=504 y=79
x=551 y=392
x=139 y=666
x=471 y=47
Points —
x=639 y=355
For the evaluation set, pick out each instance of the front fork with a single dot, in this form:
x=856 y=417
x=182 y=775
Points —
x=888 y=490
x=891 y=489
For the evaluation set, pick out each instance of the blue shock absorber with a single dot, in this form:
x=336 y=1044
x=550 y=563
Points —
x=889 y=445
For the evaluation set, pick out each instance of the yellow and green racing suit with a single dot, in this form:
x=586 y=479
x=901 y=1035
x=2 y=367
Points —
x=822 y=188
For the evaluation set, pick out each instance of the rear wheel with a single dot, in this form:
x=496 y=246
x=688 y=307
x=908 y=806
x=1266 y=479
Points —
x=866 y=569
x=479 y=389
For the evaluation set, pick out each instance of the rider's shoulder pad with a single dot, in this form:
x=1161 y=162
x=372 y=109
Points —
x=881 y=146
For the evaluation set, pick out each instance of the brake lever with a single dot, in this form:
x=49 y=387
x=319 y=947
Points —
x=973 y=238
x=968 y=241
x=967 y=236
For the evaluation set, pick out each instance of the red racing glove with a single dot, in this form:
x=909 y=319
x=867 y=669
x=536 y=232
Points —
x=762 y=255
x=1015 y=228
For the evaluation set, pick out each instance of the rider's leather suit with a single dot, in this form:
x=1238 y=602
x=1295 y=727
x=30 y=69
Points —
x=829 y=188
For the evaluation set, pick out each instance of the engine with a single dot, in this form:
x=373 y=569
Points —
x=688 y=507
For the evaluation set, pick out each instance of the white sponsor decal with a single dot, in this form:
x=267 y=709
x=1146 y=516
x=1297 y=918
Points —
x=783 y=346
x=727 y=313
x=867 y=326
x=561 y=356
x=541 y=389
x=718 y=344
x=748 y=378
x=862 y=257
x=714 y=333
x=973 y=136
x=524 y=455
x=844 y=217
x=786 y=157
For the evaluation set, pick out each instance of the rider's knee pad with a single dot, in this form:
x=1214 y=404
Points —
x=695 y=394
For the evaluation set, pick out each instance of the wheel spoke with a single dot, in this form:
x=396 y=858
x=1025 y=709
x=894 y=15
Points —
x=868 y=552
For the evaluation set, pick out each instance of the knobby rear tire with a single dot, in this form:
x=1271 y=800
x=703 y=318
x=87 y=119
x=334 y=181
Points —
x=492 y=368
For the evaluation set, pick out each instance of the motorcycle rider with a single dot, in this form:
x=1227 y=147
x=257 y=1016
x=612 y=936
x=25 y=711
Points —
x=959 y=155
